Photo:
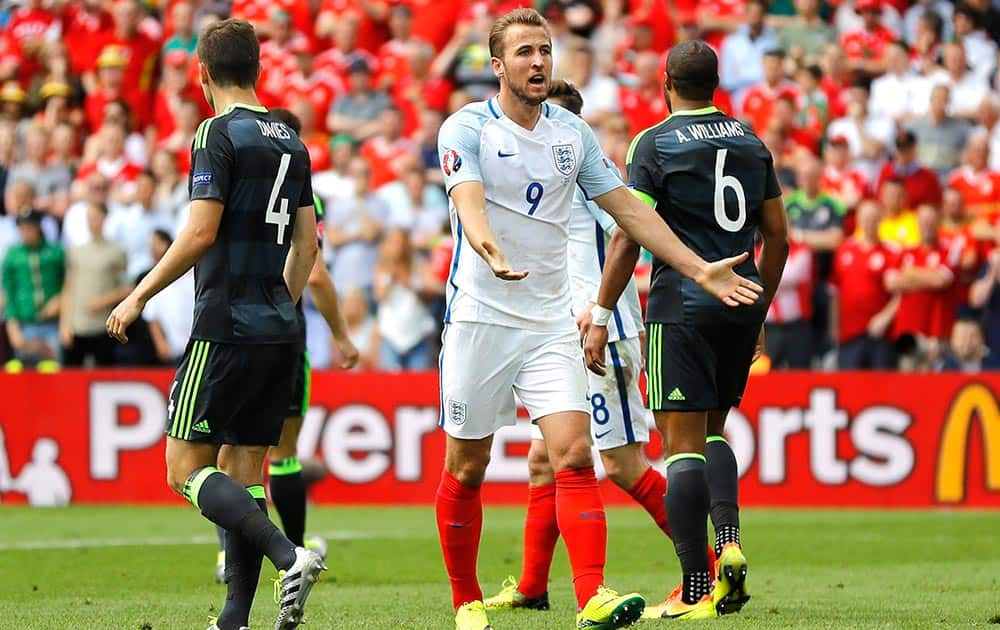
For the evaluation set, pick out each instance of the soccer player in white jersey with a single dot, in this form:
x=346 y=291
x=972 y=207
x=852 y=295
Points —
x=619 y=422
x=511 y=166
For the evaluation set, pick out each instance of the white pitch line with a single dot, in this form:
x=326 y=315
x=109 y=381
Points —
x=94 y=543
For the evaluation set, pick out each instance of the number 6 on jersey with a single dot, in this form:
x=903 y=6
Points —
x=722 y=182
x=281 y=217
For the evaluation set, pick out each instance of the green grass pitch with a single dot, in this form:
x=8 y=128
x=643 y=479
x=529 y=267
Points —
x=133 y=568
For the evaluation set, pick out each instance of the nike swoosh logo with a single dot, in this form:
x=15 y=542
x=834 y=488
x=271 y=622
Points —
x=503 y=155
x=461 y=525
x=600 y=435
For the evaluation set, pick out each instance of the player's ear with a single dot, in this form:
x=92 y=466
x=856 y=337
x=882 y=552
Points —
x=203 y=73
x=497 y=66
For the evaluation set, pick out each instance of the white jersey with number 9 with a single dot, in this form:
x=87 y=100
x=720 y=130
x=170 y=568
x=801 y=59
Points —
x=529 y=179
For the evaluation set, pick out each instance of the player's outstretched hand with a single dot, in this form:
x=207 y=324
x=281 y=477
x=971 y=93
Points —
x=720 y=280
x=498 y=263
x=348 y=353
x=122 y=317
x=593 y=348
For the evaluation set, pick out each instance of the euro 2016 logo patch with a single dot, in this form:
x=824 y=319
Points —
x=451 y=161
x=565 y=157
x=457 y=411
x=202 y=178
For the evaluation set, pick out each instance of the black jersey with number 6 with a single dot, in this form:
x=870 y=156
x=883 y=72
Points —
x=259 y=170
x=707 y=175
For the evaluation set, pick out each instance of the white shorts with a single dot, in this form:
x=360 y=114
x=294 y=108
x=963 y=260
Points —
x=483 y=365
x=618 y=415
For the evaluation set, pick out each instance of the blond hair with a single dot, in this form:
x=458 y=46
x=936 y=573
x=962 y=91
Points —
x=524 y=17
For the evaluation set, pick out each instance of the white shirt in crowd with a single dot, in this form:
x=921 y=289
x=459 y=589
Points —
x=173 y=309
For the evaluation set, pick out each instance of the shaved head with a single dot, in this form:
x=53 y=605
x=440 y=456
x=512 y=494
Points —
x=693 y=69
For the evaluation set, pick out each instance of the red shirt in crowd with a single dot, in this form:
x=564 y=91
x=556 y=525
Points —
x=793 y=300
x=276 y=62
x=835 y=93
x=371 y=34
x=722 y=9
x=927 y=313
x=318 y=145
x=29 y=26
x=840 y=184
x=143 y=54
x=382 y=156
x=84 y=33
x=921 y=184
x=759 y=99
x=320 y=89
x=409 y=91
x=864 y=45
x=434 y=20
x=641 y=108
x=259 y=11
x=119 y=171
x=981 y=191
x=859 y=278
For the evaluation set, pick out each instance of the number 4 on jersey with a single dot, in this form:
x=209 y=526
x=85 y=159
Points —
x=281 y=217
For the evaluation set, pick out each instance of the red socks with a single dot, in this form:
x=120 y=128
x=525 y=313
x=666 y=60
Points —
x=459 y=513
x=580 y=513
x=540 y=535
x=648 y=492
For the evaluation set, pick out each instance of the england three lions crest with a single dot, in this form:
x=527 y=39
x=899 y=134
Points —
x=565 y=157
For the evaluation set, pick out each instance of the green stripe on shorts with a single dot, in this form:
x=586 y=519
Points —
x=175 y=424
x=653 y=363
x=306 y=383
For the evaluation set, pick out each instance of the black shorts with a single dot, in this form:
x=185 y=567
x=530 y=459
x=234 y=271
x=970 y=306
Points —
x=298 y=404
x=232 y=393
x=698 y=367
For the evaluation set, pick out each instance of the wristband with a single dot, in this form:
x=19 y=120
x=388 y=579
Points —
x=599 y=316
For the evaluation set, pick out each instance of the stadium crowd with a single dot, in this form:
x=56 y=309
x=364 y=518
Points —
x=882 y=117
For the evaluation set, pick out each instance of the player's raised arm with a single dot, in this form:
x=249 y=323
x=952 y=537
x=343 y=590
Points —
x=642 y=224
x=302 y=253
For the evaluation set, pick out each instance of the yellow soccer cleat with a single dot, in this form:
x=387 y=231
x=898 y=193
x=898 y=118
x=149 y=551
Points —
x=472 y=616
x=656 y=612
x=509 y=597
x=676 y=608
x=731 y=591
x=608 y=610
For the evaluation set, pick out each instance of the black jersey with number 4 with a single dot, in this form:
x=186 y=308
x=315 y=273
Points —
x=707 y=175
x=259 y=170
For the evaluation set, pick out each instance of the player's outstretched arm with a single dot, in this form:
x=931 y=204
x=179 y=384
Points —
x=325 y=296
x=470 y=202
x=619 y=264
x=302 y=253
x=191 y=244
x=649 y=230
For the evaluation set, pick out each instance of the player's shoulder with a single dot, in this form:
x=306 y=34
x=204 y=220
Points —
x=473 y=115
x=560 y=116
x=644 y=143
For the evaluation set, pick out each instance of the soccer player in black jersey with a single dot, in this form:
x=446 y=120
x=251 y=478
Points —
x=251 y=237
x=287 y=484
x=712 y=180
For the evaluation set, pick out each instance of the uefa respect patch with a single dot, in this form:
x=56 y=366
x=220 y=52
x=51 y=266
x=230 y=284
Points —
x=202 y=178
